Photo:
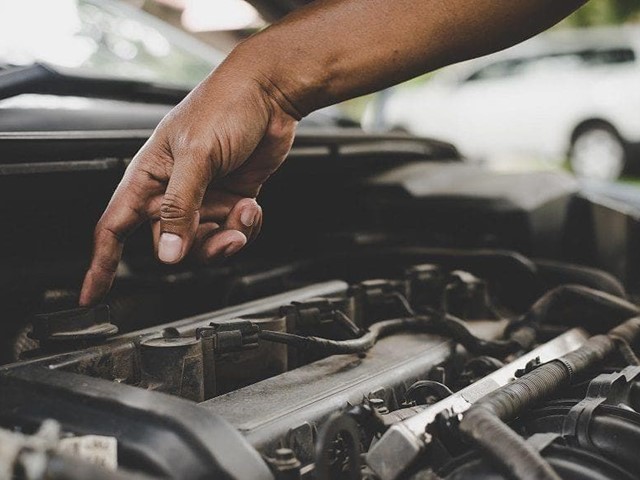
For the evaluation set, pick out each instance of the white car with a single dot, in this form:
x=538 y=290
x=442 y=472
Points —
x=568 y=94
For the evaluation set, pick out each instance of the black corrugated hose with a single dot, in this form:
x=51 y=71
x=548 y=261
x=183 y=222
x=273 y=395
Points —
x=484 y=422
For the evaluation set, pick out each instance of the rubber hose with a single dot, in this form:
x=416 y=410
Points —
x=484 y=423
x=447 y=326
x=356 y=345
x=560 y=273
x=576 y=305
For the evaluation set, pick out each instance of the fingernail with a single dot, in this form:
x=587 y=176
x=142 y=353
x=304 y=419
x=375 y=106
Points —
x=169 y=248
x=232 y=248
x=248 y=216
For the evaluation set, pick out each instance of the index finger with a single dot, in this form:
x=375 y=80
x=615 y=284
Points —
x=125 y=212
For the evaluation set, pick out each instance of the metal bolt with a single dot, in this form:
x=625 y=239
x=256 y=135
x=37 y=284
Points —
x=285 y=455
x=286 y=464
x=379 y=405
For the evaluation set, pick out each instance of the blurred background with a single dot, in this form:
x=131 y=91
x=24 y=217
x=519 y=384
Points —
x=567 y=99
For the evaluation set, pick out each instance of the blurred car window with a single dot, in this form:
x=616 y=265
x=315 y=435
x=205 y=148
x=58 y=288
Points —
x=577 y=59
x=608 y=57
x=504 y=68
x=101 y=37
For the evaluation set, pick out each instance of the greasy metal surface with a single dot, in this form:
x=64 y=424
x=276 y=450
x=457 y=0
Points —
x=74 y=324
x=116 y=358
x=265 y=412
x=174 y=366
x=289 y=407
x=401 y=444
x=238 y=369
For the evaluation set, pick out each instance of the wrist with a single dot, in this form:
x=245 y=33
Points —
x=295 y=83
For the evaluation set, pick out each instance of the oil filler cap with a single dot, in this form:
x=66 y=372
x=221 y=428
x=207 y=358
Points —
x=92 y=323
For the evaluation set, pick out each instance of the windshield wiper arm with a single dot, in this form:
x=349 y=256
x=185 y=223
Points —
x=44 y=79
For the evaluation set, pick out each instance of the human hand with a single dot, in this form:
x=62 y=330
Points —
x=197 y=177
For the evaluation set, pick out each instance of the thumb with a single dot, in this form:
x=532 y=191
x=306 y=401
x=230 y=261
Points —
x=180 y=208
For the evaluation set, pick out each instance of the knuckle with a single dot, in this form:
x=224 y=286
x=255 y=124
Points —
x=103 y=231
x=192 y=144
x=174 y=207
x=199 y=152
x=196 y=146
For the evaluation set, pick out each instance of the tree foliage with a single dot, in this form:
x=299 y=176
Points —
x=606 y=12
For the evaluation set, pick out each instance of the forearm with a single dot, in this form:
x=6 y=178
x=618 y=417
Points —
x=334 y=50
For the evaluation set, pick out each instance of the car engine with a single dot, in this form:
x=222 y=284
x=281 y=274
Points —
x=414 y=317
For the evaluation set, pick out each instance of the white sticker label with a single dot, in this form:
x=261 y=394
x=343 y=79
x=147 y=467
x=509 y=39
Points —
x=95 y=449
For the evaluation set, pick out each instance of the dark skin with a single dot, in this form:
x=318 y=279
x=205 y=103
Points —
x=197 y=177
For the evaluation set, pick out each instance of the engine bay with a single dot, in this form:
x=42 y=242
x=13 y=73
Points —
x=416 y=316
x=376 y=377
